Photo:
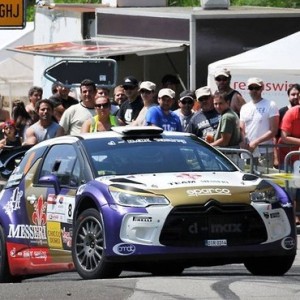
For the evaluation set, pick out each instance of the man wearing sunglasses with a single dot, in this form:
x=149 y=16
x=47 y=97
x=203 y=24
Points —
x=223 y=79
x=185 y=110
x=204 y=122
x=259 y=121
x=130 y=109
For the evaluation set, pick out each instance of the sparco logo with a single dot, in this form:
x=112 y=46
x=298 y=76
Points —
x=212 y=191
x=124 y=249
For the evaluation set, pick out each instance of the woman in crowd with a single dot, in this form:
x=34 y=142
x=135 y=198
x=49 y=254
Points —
x=11 y=137
x=21 y=117
x=103 y=120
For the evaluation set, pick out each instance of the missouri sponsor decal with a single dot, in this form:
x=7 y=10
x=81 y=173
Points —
x=35 y=232
x=22 y=231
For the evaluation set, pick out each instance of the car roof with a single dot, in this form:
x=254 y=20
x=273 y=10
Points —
x=116 y=132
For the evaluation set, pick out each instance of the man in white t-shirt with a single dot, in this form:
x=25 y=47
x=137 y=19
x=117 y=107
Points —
x=73 y=117
x=259 y=120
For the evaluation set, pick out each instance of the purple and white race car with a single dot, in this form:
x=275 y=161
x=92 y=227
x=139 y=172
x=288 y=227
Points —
x=138 y=198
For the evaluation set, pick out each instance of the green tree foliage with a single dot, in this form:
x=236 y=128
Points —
x=270 y=3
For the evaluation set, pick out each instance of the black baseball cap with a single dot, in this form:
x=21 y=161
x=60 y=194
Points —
x=130 y=81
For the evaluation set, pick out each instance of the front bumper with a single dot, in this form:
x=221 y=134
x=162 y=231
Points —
x=229 y=232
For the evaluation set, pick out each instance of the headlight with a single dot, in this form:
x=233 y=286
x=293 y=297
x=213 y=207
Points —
x=264 y=192
x=138 y=200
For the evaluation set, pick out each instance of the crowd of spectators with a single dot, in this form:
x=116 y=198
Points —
x=222 y=118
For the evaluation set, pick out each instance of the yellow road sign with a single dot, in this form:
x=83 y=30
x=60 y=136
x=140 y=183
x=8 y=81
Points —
x=12 y=14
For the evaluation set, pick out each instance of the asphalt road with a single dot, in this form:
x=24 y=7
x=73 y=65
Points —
x=221 y=282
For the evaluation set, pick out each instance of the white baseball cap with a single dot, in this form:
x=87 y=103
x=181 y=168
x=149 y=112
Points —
x=254 y=80
x=203 y=91
x=166 y=92
x=147 y=85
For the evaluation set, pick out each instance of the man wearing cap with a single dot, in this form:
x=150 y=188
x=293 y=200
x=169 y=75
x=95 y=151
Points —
x=130 y=109
x=147 y=91
x=162 y=115
x=171 y=81
x=222 y=79
x=259 y=121
x=185 y=110
x=204 y=122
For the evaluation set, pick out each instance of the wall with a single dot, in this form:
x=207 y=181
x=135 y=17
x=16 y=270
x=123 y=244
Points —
x=53 y=26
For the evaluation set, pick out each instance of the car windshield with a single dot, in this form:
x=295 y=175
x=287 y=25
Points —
x=117 y=156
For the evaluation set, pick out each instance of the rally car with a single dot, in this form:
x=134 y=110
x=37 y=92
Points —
x=139 y=198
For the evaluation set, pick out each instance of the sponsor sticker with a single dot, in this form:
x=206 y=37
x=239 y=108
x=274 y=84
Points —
x=124 y=249
x=54 y=235
x=273 y=215
x=288 y=243
x=208 y=191
x=142 y=219
x=215 y=243
x=14 y=202
x=67 y=237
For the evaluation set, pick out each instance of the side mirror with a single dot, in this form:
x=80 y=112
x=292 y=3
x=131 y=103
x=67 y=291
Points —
x=52 y=180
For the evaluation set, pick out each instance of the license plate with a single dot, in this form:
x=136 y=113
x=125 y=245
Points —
x=215 y=243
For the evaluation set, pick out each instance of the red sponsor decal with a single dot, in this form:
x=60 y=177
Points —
x=189 y=176
x=39 y=216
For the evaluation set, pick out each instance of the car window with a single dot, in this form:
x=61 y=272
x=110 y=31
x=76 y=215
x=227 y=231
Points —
x=156 y=155
x=25 y=165
x=62 y=161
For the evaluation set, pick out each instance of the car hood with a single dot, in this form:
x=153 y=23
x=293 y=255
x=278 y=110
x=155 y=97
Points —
x=189 y=187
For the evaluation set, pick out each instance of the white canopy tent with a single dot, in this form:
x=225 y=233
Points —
x=277 y=63
x=16 y=70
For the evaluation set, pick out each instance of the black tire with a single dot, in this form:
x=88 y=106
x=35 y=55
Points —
x=167 y=269
x=88 y=247
x=4 y=269
x=269 y=266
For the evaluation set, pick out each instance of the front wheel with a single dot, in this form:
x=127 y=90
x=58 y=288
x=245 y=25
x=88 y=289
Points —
x=88 y=247
x=269 y=266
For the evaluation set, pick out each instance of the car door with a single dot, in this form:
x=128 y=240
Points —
x=52 y=201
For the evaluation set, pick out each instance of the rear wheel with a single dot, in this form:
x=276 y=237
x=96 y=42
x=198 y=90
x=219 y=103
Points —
x=88 y=247
x=4 y=269
x=269 y=266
